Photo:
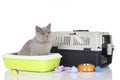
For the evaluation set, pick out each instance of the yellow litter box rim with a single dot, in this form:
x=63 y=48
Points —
x=32 y=63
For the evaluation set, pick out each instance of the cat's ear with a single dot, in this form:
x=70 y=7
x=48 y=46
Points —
x=49 y=26
x=38 y=29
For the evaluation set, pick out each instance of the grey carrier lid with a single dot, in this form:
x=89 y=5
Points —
x=78 y=40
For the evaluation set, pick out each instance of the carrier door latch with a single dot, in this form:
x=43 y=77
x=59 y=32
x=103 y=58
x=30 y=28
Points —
x=109 y=49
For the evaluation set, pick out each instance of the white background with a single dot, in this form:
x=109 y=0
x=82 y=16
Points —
x=18 y=19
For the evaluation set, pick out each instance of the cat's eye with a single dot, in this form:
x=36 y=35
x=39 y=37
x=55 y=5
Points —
x=42 y=33
x=48 y=32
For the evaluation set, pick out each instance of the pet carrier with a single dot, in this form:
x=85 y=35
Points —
x=82 y=46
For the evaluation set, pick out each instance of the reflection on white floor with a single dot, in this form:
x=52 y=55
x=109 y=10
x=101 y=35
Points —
x=105 y=74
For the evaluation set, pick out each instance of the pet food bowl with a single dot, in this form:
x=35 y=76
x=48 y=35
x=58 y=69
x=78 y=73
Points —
x=86 y=67
x=32 y=63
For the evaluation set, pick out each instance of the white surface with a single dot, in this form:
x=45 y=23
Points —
x=18 y=19
x=105 y=74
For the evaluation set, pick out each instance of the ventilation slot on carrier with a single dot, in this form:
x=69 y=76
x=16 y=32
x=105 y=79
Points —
x=81 y=41
x=65 y=40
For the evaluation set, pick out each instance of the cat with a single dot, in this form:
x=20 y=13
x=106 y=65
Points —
x=41 y=44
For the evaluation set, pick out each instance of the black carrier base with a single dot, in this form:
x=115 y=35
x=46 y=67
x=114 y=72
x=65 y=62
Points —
x=76 y=57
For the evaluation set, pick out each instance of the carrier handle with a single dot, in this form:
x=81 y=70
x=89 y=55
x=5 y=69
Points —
x=80 y=30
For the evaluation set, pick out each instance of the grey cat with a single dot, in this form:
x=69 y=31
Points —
x=40 y=44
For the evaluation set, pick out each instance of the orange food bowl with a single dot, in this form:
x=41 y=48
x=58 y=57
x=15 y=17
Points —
x=86 y=67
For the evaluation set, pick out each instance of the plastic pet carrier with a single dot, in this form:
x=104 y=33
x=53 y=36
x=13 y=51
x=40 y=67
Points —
x=82 y=46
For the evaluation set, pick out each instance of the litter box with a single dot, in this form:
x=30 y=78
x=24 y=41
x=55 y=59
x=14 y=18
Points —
x=32 y=63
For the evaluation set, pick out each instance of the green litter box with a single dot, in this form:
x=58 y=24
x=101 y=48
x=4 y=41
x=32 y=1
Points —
x=32 y=63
